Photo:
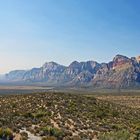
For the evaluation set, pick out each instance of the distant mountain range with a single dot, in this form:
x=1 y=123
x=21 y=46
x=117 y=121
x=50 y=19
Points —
x=121 y=72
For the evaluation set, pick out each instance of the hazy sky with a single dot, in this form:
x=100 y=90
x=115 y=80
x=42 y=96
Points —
x=36 y=31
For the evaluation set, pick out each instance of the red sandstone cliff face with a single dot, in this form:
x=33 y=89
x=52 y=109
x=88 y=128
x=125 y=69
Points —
x=120 y=62
x=124 y=72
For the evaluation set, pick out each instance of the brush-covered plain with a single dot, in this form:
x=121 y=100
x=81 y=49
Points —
x=64 y=116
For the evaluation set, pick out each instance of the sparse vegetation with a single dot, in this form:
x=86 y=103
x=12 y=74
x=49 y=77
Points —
x=119 y=135
x=67 y=116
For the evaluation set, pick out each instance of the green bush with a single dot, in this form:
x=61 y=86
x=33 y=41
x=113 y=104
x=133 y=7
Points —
x=6 y=134
x=56 y=132
x=51 y=131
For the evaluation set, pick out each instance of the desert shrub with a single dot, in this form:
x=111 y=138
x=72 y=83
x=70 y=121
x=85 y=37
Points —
x=49 y=138
x=39 y=114
x=28 y=115
x=119 y=135
x=137 y=134
x=46 y=130
x=56 y=132
x=6 y=134
x=101 y=114
x=115 y=113
x=117 y=126
x=13 y=105
x=49 y=113
x=24 y=136
x=42 y=113
x=51 y=131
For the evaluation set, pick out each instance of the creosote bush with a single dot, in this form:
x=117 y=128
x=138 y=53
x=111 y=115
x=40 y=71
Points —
x=6 y=134
x=118 y=135
x=51 y=131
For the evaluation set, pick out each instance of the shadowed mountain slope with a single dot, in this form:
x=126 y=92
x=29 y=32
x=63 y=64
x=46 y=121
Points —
x=121 y=72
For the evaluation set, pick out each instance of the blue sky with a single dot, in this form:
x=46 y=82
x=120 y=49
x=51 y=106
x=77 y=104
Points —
x=36 y=31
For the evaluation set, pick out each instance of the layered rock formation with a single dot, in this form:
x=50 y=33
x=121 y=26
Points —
x=121 y=72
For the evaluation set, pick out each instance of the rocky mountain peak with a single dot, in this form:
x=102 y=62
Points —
x=120 y=72
x=92 y=63
x=52 y=67
x=121 y=61
x=74 y=64
x=120 y=58
x=50 y=64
